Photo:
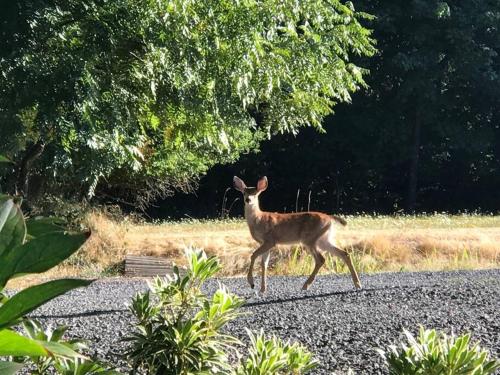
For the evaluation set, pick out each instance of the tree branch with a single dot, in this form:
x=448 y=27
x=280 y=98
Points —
x=32 y=153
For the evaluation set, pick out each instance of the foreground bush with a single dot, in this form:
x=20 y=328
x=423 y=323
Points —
x=272 y=356
x=63 y=365
x=181 y=333
x=434 y=353
x=34 y=246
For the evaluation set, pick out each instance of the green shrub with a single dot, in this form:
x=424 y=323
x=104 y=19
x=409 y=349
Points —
x=181 y=333
x=33 y=246
x=63 y=365
x=272 y=356
x=434 y=353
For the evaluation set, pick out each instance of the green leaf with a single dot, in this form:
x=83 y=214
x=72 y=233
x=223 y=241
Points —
x=29 y=299
x=12 y=226
x=10 y=368
x=80 y=366
x=37 y=227
x=13 y=344
x=4 y=159
x=443 y=10
x=58 y=333
x=60 y=350
x=40 y=254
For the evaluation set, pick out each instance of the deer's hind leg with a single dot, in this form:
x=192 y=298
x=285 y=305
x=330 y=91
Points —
x=325 y=243
x=319 y=260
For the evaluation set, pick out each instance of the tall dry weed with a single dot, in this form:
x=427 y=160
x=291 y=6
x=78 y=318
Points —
x=107 y=245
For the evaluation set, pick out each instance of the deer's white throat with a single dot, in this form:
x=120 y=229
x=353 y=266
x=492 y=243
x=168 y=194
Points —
x=252 y=210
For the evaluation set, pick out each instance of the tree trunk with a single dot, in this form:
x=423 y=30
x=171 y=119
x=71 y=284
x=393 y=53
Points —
x=411 y=199
x=32 y=153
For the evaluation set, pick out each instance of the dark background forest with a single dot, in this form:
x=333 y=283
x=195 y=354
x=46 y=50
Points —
x=424 y=137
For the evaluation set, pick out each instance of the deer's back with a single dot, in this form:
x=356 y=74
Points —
x=301 y=227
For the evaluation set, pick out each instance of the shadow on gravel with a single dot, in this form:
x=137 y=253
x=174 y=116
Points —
x=261 y=302
x=79 y=315
x=322 y=295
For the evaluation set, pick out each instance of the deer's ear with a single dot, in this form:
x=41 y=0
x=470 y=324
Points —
x=239 y=184
x=262 y=184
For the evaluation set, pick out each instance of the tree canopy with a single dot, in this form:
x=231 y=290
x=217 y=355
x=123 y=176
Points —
x=144 y=95
x=425 y=136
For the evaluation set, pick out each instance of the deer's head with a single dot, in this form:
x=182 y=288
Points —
x=250 y=194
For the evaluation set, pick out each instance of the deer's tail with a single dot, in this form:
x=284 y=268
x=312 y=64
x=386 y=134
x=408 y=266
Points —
x=339 y=220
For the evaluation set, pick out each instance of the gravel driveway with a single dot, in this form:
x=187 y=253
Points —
x=340 y=325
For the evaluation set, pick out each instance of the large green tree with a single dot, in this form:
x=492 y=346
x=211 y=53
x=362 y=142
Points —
x=425 y=136
x=146 y=95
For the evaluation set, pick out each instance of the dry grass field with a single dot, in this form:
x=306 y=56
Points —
x=378 y=243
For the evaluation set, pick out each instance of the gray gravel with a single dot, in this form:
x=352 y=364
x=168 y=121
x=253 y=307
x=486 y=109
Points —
x=340 y=325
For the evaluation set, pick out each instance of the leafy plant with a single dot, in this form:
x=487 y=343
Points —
x=272 y=356
x=32 y=246
x=181 y=332
x=63 y=365
x=434 y=353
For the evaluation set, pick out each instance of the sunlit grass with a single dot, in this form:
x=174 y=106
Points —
x=423 y=221
x=376 y=243
x=362 y=221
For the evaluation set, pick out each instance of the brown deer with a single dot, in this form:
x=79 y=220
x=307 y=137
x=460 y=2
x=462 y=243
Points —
x=314 y=230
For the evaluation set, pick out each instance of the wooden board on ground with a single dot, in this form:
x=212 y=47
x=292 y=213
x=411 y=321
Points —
x=147 y=266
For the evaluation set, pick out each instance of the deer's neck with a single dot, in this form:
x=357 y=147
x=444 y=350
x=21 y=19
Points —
x=252 y=213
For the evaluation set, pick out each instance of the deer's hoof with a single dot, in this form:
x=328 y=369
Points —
x=358 y=286
x=250 y=281
x=305 y=287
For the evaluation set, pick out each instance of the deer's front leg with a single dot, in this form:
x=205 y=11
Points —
x=266 y=246
x=265 y=263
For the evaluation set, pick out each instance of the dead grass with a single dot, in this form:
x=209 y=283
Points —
x=382 y=243
x=378 y=243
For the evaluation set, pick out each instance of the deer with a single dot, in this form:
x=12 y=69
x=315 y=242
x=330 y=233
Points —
x=314 y=230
